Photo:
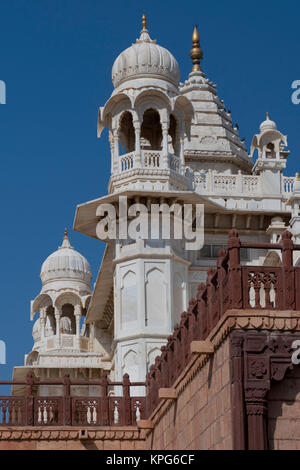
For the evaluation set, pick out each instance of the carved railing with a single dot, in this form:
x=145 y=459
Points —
x=229 y=286
x=151 y=159
x=127 y=162
x=148 y=159
x=12 y=411
x=288 y=184
x=68 y=410
x=211 y=182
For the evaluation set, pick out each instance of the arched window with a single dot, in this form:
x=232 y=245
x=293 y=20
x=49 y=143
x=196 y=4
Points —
x=67 y=321
x=127 y=134
x=271 y=150
x=151 y=132
x=50 y=322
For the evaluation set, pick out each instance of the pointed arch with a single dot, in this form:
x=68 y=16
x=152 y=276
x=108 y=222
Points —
x=127 y=132
x=153 y=97
x=117 y=103
x=156 y=299
x=42 y=300
x=151 y=355
x=67 y=298
x=151 y=130
x=129 y=309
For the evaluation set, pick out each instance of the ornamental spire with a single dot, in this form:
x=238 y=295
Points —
x=144 y=21
x=144 y=37
x=66 y=241
x=196 y=52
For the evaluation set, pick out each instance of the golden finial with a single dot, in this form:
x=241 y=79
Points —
x=196 y=52
x=267 y=116
x=66 y=233
x=144 y=21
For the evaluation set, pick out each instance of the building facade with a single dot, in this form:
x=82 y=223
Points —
x=171 y=143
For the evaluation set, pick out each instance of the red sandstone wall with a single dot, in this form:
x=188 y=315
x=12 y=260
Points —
x=201 y=417
x=284 y=413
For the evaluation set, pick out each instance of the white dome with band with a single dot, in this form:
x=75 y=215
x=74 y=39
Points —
x=145 y=58
x=66 y=263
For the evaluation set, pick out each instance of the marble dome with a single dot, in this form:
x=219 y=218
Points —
x=268 y=125
x=66 y=263
x=145 y=58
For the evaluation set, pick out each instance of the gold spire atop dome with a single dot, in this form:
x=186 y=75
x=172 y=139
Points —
x=66 y=234
x=144 y=21
x=268 y=116
x=196 y=52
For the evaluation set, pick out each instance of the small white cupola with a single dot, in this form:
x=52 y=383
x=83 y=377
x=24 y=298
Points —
x=66 y=267
x=270 y=144
x=62 y=303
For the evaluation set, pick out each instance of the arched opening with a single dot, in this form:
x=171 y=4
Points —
x=67 y=321
x=271 y=150
x=50 y=327
x=173 y=142
x=127 y=134
x=82 y=325
x=151 y=131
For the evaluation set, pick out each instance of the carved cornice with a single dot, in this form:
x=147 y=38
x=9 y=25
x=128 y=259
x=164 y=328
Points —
x=65 y=433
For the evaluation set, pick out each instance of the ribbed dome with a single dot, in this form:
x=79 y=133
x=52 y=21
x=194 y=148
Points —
x=268 y=125
x=66 y=263
x=145 y=58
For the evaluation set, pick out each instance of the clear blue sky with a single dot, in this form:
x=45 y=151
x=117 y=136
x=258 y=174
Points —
x=56 y=59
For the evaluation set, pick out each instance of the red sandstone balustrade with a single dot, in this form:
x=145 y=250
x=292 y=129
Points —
x=68 y=410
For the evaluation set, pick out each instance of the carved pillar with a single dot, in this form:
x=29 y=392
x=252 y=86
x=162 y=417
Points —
x=43 y=317
x=116 y=164
x=239 y=182
x=77 y=313
x=237 y=393
x=57 y=314
x=210 y=181
x=235 y=270
x=165 y=152
x=138 y=157
x=256 y=409
x=112 y=151
x=181 y=154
